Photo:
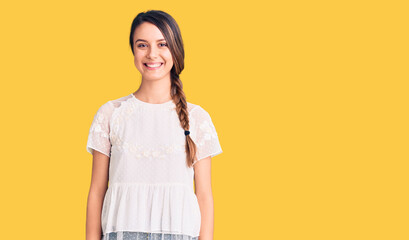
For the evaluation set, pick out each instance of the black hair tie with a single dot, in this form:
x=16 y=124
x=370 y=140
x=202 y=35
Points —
x=187 y=132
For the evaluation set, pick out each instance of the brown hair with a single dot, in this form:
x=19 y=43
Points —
x=170 y=30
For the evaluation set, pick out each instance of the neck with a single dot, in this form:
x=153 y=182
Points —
x=154 y=91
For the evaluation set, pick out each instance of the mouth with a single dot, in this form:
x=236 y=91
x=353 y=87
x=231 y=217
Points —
x=153 y=66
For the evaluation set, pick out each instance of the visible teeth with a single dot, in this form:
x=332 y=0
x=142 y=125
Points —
x=154 y=65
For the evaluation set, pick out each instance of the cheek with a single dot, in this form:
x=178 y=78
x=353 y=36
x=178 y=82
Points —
x=168 y=57
x=138 y=60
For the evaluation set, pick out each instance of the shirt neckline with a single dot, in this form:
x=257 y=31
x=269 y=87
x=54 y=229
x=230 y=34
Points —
x=151 y=104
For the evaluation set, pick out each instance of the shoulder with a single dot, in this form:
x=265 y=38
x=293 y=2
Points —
x=191 y=106
x=197 y=112
x=117 y=102
x=107 y=108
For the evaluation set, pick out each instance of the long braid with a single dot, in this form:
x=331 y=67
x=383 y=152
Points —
x=179 y=99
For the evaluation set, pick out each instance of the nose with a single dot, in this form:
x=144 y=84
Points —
x=153 y=52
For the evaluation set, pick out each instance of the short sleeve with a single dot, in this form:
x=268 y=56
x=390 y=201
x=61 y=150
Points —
x=204 y=135
x=98 y=136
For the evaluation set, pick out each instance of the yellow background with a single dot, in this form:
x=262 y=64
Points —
x=309 y=98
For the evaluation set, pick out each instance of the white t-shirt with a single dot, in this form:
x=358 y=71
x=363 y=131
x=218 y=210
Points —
x=150 y=186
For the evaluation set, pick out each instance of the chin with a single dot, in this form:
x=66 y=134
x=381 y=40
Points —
x=152 y=77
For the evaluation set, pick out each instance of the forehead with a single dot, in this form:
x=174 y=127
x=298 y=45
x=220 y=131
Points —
x=148 y=32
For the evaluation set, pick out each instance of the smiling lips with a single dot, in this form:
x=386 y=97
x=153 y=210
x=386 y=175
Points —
x=152 y=66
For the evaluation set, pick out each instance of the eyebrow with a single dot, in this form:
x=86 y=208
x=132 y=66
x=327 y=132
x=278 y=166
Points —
x=143 y=40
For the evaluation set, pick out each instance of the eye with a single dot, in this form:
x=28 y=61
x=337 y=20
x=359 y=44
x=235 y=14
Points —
x=165 y=44
x=140 y=45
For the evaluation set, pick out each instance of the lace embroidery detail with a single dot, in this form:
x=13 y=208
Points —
x=99 y=125
x=208 y=132
x=205 y=135
x=122 y=117
x=98 y=137
x=141 y=151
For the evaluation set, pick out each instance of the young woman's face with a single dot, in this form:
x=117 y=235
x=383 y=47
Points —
x=150 y=48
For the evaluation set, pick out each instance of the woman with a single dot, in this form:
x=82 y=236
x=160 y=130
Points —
x=151 y=145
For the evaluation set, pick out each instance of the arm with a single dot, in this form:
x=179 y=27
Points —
x=99 y=185
x=203 y=190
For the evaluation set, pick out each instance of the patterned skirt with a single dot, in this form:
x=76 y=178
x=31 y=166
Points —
x=145 y=236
